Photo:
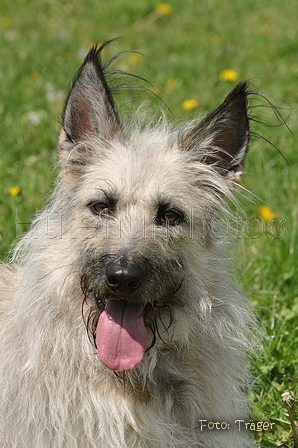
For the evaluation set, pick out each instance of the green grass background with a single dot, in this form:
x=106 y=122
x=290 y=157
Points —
x=42 y=44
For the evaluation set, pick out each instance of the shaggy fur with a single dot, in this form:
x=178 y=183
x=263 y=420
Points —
x=145 y=199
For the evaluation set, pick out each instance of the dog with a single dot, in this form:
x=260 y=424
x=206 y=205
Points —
x=122 y=324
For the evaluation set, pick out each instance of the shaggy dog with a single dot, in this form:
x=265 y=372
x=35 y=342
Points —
x=122 y=325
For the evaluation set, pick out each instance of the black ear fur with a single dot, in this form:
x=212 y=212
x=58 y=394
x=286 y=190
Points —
x=222 y=137
x=90 y=108
x=220 y=140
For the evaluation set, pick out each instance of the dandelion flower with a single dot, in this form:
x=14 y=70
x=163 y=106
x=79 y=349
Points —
x=217 y=39
x=15 y=191
x=5 y=22
x=190 y=104
x=134 y=59
x=228 y=75
x=163 y=9
x=266 y=213
x=287 y=397
x=35 y=76
x=171 y=84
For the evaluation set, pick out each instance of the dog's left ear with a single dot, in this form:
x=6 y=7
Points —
x=89 y=110
x=222 y=138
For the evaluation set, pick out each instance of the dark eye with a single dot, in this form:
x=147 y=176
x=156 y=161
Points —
x=172 y=217
x=168 y=217
x=100 y=208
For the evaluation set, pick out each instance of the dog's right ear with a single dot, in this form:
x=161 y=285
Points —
x=89 y=110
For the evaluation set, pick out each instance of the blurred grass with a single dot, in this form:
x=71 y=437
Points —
x=42 y=44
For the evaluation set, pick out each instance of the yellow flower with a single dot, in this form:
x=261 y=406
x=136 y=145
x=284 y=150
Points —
x=266 y=213
x=35 y=76
x=5 y=21
x=228 y=75
x=15 y=191
x=163 y=9
x=134 y=59
x=190 y=104
x=217 y=39
x=171 y=84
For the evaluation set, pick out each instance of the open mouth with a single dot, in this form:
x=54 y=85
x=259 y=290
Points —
x=121 y=335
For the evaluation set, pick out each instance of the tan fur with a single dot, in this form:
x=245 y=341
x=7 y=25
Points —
x=55 y=392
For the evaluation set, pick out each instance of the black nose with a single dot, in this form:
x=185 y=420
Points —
x=123 y=276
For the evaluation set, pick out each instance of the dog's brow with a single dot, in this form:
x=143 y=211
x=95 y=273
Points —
x=108 y=196
x=167 y=203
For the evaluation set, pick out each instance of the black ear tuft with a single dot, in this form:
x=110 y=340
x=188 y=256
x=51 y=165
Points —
x=222 y=138
x=90 y=108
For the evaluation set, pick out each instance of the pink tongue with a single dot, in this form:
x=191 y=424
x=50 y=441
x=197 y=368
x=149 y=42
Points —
x=121 y=336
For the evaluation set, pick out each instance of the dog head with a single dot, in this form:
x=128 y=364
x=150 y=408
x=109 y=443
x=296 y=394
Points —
x=145 y=197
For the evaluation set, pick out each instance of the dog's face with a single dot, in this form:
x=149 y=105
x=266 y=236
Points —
x=143 y=198
x=133 y=262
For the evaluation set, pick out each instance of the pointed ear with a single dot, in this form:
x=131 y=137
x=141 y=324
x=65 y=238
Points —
x=222 y=138
x=89 y=110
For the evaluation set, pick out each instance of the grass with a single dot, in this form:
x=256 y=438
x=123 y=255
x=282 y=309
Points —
x=42 y=44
